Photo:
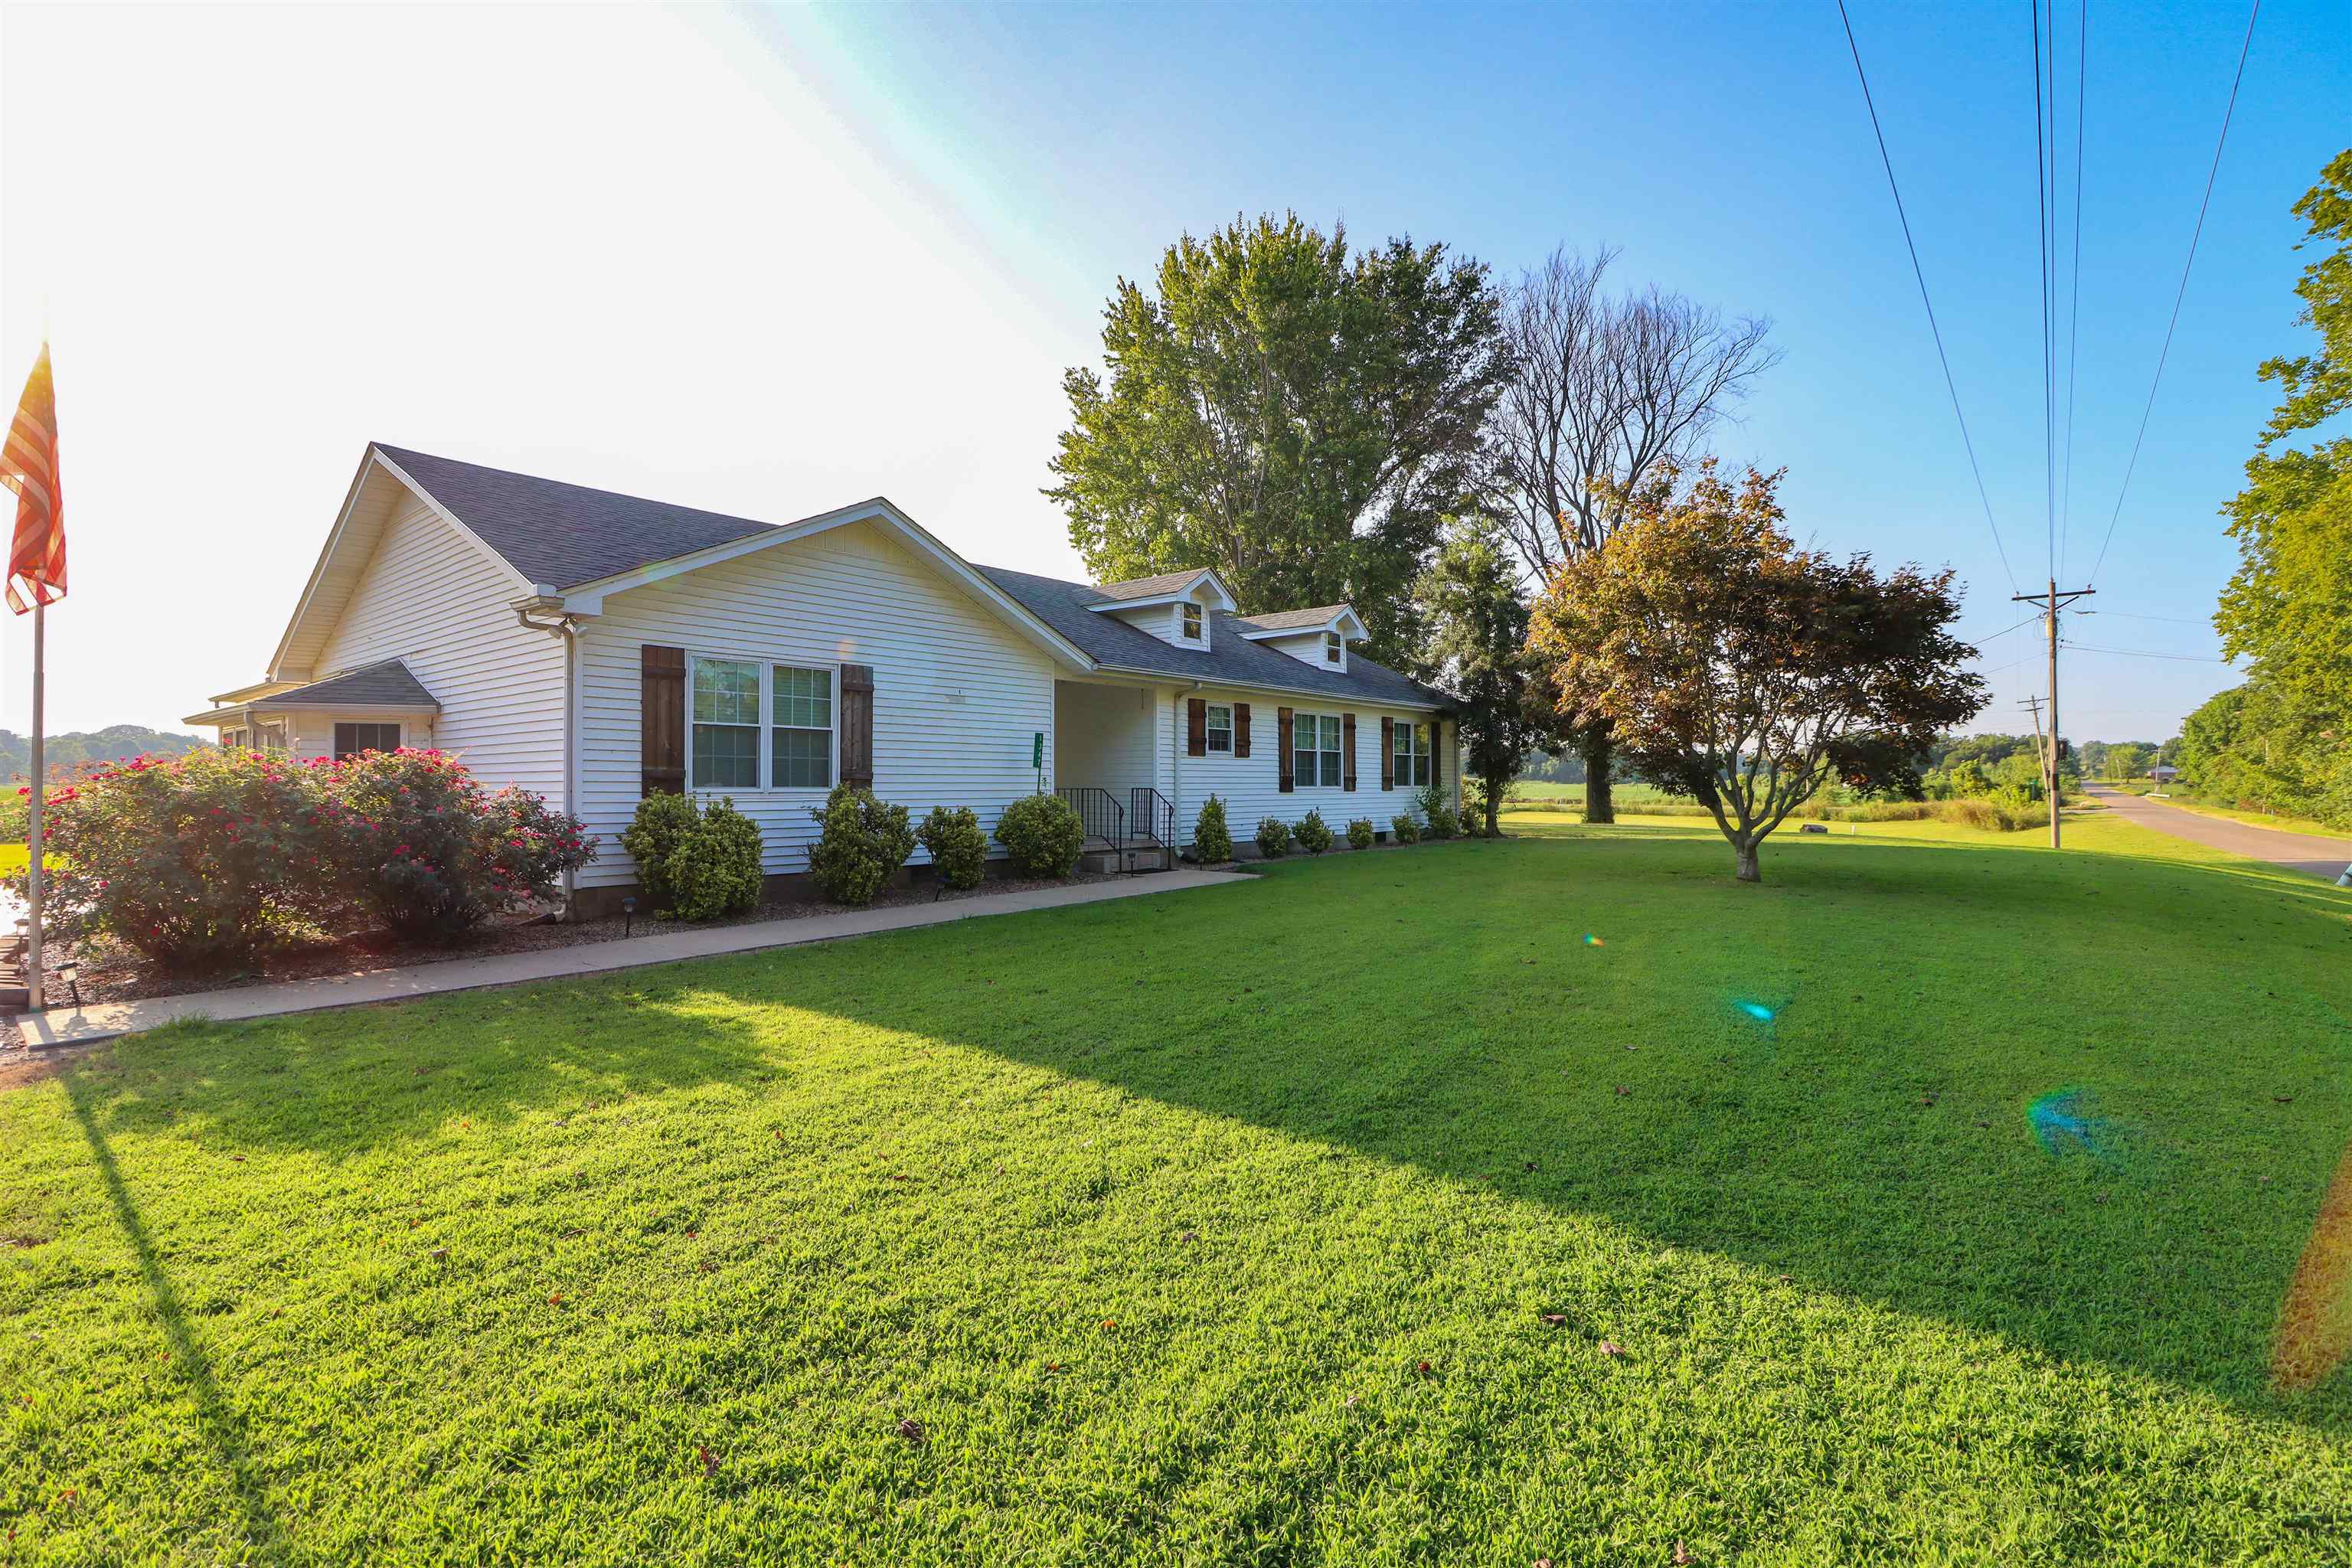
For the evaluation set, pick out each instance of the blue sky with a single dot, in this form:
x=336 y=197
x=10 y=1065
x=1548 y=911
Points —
x=1726 y=149
x=769 y=261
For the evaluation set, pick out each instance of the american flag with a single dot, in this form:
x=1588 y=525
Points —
x=28 y=465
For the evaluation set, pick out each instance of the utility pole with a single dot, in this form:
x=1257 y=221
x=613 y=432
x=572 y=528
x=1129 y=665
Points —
x=2051 y=602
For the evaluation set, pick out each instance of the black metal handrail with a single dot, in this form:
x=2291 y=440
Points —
x=1154 y=817
x=1099 y=810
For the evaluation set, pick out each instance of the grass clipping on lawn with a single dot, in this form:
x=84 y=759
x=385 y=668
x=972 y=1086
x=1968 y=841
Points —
x=1363 y=1212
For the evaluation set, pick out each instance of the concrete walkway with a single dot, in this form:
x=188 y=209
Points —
x=2304 y=852
x=102 y=1021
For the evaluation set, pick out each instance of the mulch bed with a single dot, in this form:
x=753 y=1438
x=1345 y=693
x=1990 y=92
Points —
x=117 y=973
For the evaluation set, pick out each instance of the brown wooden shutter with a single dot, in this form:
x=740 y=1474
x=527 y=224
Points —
x=1241 y=729
x=1348 y=750
x=1196 y=727
x=1281 y=739
x=1388 y=754
x=858 y=725
x=661 y=720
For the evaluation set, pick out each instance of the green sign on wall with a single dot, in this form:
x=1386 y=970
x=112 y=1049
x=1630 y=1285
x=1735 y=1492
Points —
x=1037 y=749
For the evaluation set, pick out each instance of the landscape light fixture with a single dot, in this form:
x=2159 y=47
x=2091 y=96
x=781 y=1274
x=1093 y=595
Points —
x=70 y=973
x=628 y=915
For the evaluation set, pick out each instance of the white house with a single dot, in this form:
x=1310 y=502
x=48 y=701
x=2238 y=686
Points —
x=595 y=646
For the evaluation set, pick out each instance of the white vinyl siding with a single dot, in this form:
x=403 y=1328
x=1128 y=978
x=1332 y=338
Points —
x=957 y=693
x=1249 y=785
x=428 y=596
x=1104 y=737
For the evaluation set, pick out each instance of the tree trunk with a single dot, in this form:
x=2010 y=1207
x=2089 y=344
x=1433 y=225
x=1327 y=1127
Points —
x=1494 y=788
x=1749 y=871
x=1599 y=806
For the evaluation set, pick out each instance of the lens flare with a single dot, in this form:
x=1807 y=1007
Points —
x=2064 y=1123
x=2314 y=1326
x=1592 y=941
x=1756 y=1010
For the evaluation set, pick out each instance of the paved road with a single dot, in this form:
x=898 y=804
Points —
x=2296 y=852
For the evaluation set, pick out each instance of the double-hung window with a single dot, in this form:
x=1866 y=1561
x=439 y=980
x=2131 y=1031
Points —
x=1412 y=755
x=726 y=724
x=1331 y=647
x=1221 y=727
x=1192 y=623
x=800 y=727
x=1314 y=750
x=350 y=739
x=734 y=700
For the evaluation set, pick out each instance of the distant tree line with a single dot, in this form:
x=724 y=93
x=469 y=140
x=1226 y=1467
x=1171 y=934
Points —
x=66 y=754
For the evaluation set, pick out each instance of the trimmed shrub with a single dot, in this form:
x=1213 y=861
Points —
x=1273 y=837
x=198 y=862
x=1360 y=833
x=1438 y=813
x=652 y=838
x=1211 y=840
x=715 y=868
x=1314 y=833
x=1044 y=834
x=1404 y=828
x=419 y=843
x=956 y=846
x=862 y=839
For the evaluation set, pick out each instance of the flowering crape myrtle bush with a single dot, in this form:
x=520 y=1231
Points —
x=198 y=862
x=418 y=843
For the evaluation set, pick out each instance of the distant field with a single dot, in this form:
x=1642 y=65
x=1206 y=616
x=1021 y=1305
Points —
x=12 y=858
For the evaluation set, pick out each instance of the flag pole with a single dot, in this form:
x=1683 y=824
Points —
x=33 y=826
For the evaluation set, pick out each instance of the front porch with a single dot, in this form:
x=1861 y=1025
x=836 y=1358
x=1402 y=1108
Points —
x=1111 y=761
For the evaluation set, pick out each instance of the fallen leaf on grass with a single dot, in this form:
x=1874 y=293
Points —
x=710 y=1460
x=1423 y=1369
x=912 y=1430
x=1682 y=1557
x=1611 y=1348
x=1622 y=1090
x=556 y=1299
x=440 y=1255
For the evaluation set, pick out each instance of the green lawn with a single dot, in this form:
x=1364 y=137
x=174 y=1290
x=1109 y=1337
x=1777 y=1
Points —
x=1226 y=1226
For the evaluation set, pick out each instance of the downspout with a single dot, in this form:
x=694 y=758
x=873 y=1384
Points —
x=565 y=628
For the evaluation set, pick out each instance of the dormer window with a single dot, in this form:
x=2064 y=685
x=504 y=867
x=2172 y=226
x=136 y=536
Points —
x=1192 y=623
x=1331 y=647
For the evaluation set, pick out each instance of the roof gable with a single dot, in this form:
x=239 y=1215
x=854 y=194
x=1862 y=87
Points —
x=556 y=535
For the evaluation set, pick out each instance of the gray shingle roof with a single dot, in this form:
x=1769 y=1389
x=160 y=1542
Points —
x=563 y=536
x=1230 y=660
x=1283 y=620
x=1147 y=587
x=385 y=685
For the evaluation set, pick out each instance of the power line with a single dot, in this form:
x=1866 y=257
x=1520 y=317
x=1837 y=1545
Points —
x=2006 y=630
x=2074 y=302
x=2127 y=615
x=2195 y=234
x=2143 y=653
x=1863 y=77
x=2041 y=215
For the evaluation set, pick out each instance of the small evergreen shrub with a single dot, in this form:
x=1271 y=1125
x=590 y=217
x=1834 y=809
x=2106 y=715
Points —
x=1211 y=840
x=1360 y=833
x=1438 y=813
x=1273 y=837
x=861 y=841
x=1044 y=834
x=425 y=849
x=1404 y=828
x=956 y=846
x=715 y=868
x=1314 y=834
x=652 y=838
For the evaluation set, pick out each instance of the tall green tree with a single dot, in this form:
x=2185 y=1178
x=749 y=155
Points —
x=1477 y=648
x=2289 y=606
x=1296 y=415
